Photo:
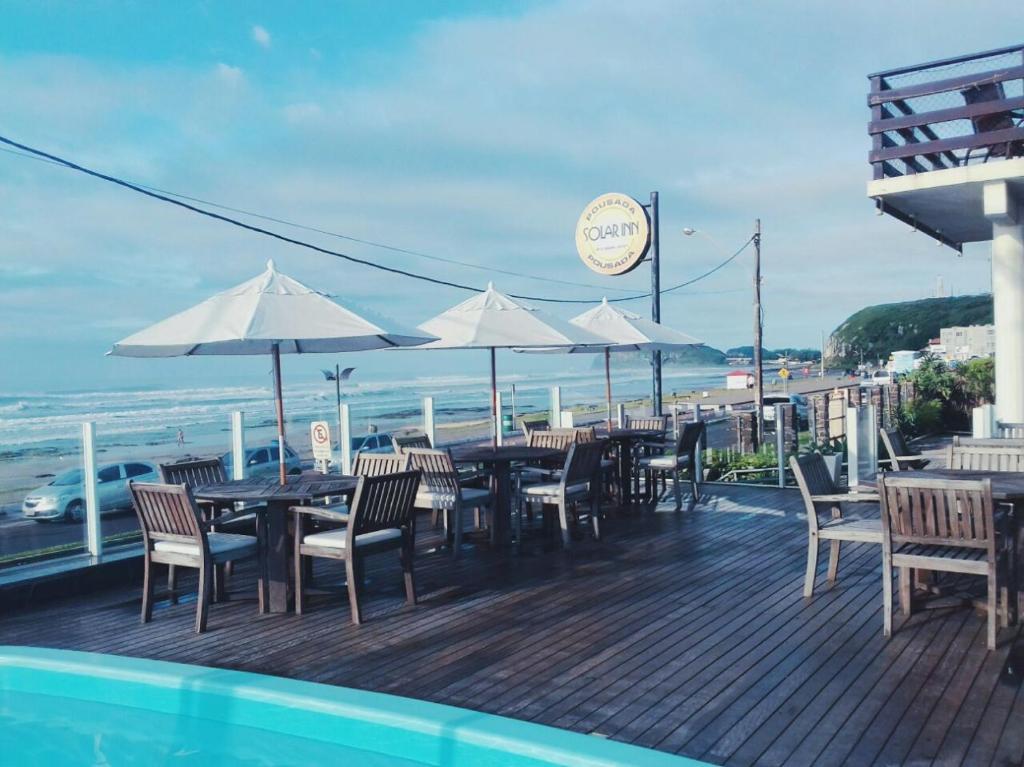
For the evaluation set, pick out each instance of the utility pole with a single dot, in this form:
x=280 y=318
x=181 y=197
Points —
x=655 y=305
x=758 y=370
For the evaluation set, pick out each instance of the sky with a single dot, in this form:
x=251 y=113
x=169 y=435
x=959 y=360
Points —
x=475 y=131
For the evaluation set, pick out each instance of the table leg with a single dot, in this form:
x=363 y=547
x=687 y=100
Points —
x=625 y=473
x=276 y=558
x=500 y=524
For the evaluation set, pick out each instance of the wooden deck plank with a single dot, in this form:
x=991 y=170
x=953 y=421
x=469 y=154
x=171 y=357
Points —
x=687 y=631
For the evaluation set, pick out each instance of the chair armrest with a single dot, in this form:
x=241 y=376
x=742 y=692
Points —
x=321 y=512
x=852 y=497
x=232 y=516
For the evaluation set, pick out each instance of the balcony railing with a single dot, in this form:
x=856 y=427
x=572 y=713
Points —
x=947 y=114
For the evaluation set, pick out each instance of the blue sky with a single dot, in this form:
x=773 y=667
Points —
x=470 y=130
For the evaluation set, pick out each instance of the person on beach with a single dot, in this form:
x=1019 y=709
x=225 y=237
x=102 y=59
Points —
x=181 y=437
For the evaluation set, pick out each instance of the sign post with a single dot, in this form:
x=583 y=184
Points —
x=320 y=436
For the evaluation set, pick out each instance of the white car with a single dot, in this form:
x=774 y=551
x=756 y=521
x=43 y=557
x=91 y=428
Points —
x=771 y=400
x=64 y=497
x=879 y=378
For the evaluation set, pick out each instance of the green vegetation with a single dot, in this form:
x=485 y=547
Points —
x=873 y=333
x=945 y=395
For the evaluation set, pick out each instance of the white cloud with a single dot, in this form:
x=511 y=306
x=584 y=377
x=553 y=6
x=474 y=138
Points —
x=229 y=75
x=260 y=36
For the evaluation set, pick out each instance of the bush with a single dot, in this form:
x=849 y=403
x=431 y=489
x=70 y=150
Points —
x=951 y=392
x=722 y=462
x=922 y=416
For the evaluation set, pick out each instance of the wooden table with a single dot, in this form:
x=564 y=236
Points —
x=278 y=498
x=1007 y=486
x=625 y=438
x=500 y=460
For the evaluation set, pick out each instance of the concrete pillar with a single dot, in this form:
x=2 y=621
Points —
x=428 y=420
x=1007 y=299
x=555 y=412
x=93 y=529
x=237 y=445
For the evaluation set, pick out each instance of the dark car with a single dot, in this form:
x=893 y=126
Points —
x=372 y=443
x=262 y=461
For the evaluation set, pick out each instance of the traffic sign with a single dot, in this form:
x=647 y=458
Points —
x=320 y=435
x=784 y=373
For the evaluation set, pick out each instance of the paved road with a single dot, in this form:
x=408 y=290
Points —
x=18 y=535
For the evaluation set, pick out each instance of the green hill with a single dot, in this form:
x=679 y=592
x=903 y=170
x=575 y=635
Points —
x=875 y=332
x=805 y=354
x=689 y=355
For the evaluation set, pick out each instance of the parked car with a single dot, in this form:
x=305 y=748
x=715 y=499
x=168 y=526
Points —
x=772 y=400
x=262 y=461
x=64 y=497
x=879 y=378
x=372 y=443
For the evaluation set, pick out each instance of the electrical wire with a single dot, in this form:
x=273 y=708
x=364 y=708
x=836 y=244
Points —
x=169 y=197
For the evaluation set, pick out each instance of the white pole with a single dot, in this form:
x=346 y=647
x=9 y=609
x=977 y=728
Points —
x=428 y=420
x=780 y=443
x=238 y=445
x=345 y=438
x=697 y=462
x=620 y=415
x=93 y=533
x=498 y=431
x=555 y=419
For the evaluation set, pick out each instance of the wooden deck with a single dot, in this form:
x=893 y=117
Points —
x=684 y=632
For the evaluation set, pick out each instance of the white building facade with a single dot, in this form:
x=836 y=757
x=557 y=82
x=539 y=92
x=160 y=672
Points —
x=964 y=343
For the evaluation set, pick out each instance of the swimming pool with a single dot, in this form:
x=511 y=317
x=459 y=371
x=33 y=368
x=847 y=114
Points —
x=60 y=707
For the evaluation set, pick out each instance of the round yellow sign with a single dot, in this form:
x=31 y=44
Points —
x=784 y=373
x=613 y=234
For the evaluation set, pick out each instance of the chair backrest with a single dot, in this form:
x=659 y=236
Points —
x=946 y=512
x=376 y=464
x=813 y=478
x=971 y=458
x=585 y=434
x=582 y=463
x=895 y=446
x=166 y=512
x=561 y=439
x=383 y=502
x=403 y=441
x=536 y=424
x=656 y=423
x=439 y=472
x=959 y=441
x=194 y=473
x=689 y=437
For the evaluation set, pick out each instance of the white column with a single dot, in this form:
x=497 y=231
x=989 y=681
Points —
x=498 y=431
x=345 y=438
x=698 y=469
x=983 y=422
x=780 y=443
x=556 y=407
x=620 y=415
x=428 y=420
x=1007 y=299
x=238 y=445
x=93 y=533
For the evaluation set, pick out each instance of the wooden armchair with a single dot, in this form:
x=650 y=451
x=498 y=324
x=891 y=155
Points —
x=901 y=457
x=556 y=439
x=983 y=458
x=174 y=534
x=380 y=520
x=941 y=525
x=535 y=424
x=403 y=441
x=377 y=464
x=682 y=456
x=825 y=522
x=441 y=492
x=580 y=481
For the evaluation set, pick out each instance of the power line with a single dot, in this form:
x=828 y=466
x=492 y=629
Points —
x=168 y=197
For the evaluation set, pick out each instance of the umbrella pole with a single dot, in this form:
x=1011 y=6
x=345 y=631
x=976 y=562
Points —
x=279 y=407
x=495 y=418
x=608 y=383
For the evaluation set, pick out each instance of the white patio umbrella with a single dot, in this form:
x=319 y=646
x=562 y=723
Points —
x=622 y=331
x=269 y=314
x=493 y=320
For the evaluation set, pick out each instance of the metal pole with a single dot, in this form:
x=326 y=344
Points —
x=655 y=305
x=279 y=407
x=758 y=369
x=337 y=390
x=93 y=530
x=608 y=383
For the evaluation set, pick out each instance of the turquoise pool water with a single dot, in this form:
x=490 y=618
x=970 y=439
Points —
x=69 y=708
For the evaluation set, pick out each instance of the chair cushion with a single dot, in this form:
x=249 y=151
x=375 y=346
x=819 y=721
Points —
x=665 y=461
x=338 y=539
x=220 y=544
x=549 y=489
x=471 y=496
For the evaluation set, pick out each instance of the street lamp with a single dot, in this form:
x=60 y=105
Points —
x=758 y=363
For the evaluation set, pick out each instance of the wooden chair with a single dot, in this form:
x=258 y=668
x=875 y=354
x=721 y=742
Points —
x=682 y=456
x=579 y=481
x=174 y=533
x=378 y=464
x=654 y=423
x=535 y=424
x=556 y=439
x=941 y=525
x=901 y=457
x=381 y=519
x=403 y=441
x=443 y=494
x=823 y=502
x=971 y=458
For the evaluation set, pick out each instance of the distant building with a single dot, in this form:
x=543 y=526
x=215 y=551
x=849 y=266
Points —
x=965 y=343
x=739 y=379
